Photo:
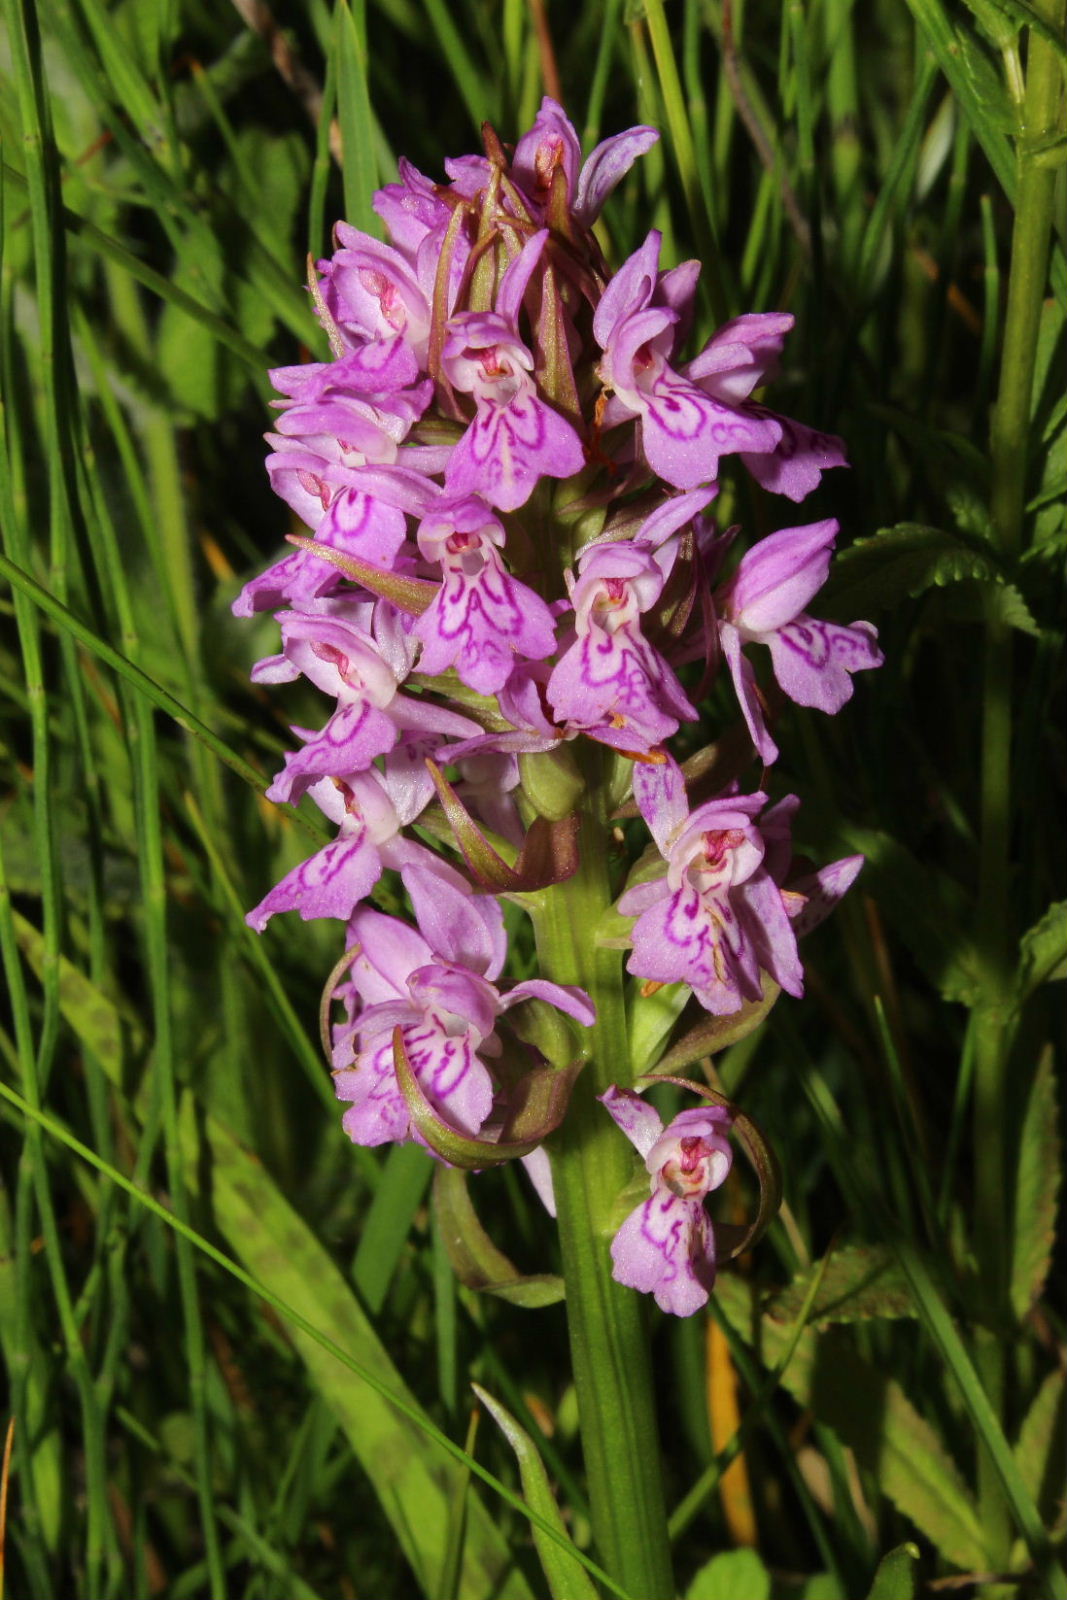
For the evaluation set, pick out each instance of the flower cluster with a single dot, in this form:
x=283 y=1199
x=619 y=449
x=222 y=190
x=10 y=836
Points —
x=503 y=474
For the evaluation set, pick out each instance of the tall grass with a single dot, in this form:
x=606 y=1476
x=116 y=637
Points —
x=206 y=1294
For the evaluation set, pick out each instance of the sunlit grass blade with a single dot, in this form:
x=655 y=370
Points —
x=289 y=1313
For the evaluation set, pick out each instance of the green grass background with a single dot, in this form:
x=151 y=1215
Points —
x=185 y=1426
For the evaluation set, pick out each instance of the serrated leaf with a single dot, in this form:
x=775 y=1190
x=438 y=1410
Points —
x=860 y=1282
x=475 y=1259
x=928 y=910
x=970 y=601
x=901 y=563
x=729 y=1575
x=897 y=1577
x=1043 y=952
x=567 y=1579
x=1036 y=1189
x=981 y=93
x=871 y=1413
x=1039 y=1453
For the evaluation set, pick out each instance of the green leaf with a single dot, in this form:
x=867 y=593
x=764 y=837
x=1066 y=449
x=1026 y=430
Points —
x=1039 y=1452
x=982 y=601
x=91 y=1015
x=860 y=1282
x=475 y=1258
x=729 y=1575
x=549 y=851
x=1037 y=1187
x=566 y=1579
x=713 y=1034
x=927 y=908
x=415 y=1494
x=536 y=1106
x=354 y=115
x=871 y=1413
x=1002 y=21
x=653 y=1013
x=387 y=1224
x=410 y=595
x=901 y=563
x=981 y=94
x=897 y=1576
x=1043 y=952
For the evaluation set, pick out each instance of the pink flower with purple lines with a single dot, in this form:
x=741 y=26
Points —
x=666 y=1247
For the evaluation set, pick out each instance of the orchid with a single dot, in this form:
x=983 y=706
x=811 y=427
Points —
x=509 y=591
x=515 y=438
x=445 y=1004
x=683 y=430
x=666 y=1247
x=763 y=603
x=481 y=618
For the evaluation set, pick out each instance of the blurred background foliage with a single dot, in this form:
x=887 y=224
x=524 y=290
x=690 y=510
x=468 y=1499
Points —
x=166 y=169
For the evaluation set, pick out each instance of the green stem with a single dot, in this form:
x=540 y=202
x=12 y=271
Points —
x=592 y=1162
x=1009 y=439
x=1009 y=452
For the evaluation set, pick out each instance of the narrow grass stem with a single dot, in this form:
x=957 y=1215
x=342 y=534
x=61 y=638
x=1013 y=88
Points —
x=591 y=1164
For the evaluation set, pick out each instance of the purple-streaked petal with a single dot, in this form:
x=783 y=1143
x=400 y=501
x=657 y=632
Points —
x=508 y=449
x=348 y=744
x=481 y=619
x=666 y=1248
x=798 y=461
x=330 y=884
x=377 y=1113
x=684 y=432
x=659 y=791
x=640 y=1122
x=684 y=938
x=813 y=660
x=453 y=1079
x=822 y=890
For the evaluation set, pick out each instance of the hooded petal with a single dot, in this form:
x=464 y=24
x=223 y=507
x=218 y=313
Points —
x=777 y=578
